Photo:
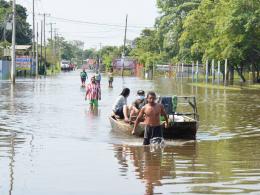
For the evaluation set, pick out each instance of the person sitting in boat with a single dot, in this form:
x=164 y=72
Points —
x=151 y=113
x=120 y=108
x=137 y=104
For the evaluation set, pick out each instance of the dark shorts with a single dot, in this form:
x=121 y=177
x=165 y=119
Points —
x=83 y=79
x=120 y=112
x=151 y=132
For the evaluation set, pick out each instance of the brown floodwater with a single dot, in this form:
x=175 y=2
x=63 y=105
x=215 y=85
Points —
x=52 y=143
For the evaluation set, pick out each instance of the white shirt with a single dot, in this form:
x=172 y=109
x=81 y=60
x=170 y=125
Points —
x=120 y=102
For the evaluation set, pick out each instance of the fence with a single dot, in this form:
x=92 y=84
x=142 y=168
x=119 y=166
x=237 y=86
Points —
x=5 y=69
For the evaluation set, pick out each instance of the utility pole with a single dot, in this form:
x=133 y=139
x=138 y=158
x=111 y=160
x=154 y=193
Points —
x=13 y=65
x=123 y=56
x=83 y=54
x=58 y=45
x=44 y=44
x=33 y=42
x=37 y=66
x=55 y=37
x=44 y=40
x=41 y=44
x=99 y=58
x=52 y=47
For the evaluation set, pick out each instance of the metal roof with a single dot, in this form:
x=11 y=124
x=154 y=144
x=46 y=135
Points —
x=22 y=47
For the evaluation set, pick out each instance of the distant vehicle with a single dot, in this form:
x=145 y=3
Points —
x=65 y=65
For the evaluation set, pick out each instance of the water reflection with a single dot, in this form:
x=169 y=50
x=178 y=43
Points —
x=50 y=114
x=9 y=143
x=195 y=168
x=11 y=137
x=93 y=112
x=11 y=165
x=152 y=166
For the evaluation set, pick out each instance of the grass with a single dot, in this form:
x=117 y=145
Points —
x=254 y=86
x=234 y=87
x=211 y=86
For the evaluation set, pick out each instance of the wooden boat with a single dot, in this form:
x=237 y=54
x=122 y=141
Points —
x=182 y=125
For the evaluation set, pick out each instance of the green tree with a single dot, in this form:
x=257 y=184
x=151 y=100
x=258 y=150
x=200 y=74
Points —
x=23 y=31
x=226 y=29
x=170 y=24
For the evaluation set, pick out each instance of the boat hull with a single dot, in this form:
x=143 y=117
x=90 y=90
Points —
x=178 y=130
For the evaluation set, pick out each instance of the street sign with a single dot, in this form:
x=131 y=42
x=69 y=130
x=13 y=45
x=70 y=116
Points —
x=23 y=62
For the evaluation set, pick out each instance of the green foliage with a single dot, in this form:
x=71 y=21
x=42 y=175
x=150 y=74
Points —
x=107 y=60
x=162 y=43
x=108 y=54
x=224 y=29
x=203 y=29
x=90 y=54
x=170 y=24
x=23 y=31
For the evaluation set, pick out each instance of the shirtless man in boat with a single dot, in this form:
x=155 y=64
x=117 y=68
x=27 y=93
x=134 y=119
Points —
x=151 y=112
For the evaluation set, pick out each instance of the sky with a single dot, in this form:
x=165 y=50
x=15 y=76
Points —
x=95 y=22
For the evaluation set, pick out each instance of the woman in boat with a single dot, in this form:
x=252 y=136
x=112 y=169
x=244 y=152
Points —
x=120 y=108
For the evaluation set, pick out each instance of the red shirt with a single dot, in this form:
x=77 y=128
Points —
x=93 y=91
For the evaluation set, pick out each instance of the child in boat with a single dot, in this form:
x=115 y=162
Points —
x=120 y=108
x=137 y=104
x=151 y=113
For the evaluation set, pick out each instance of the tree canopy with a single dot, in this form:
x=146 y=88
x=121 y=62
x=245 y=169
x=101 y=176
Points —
x=189 y=30
x=23 y=30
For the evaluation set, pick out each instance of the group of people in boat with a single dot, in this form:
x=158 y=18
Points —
x=143 y=109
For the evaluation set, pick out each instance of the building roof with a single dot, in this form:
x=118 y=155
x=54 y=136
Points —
x=22 y=47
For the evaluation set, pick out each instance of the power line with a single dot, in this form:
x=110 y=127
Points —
x=98 y=37
x=95 y=23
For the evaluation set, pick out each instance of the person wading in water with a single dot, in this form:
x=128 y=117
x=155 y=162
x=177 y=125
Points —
x=83 y=77
x=110 y=78
x=151 y=113
x=93 y=93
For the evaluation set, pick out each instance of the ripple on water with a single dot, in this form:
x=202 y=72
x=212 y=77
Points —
x=51 y=114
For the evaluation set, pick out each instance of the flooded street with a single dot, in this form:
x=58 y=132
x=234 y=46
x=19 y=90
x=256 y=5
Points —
x=52 y=143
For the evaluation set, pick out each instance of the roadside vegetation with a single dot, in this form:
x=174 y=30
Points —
x=185 y=31
x=200 y=30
